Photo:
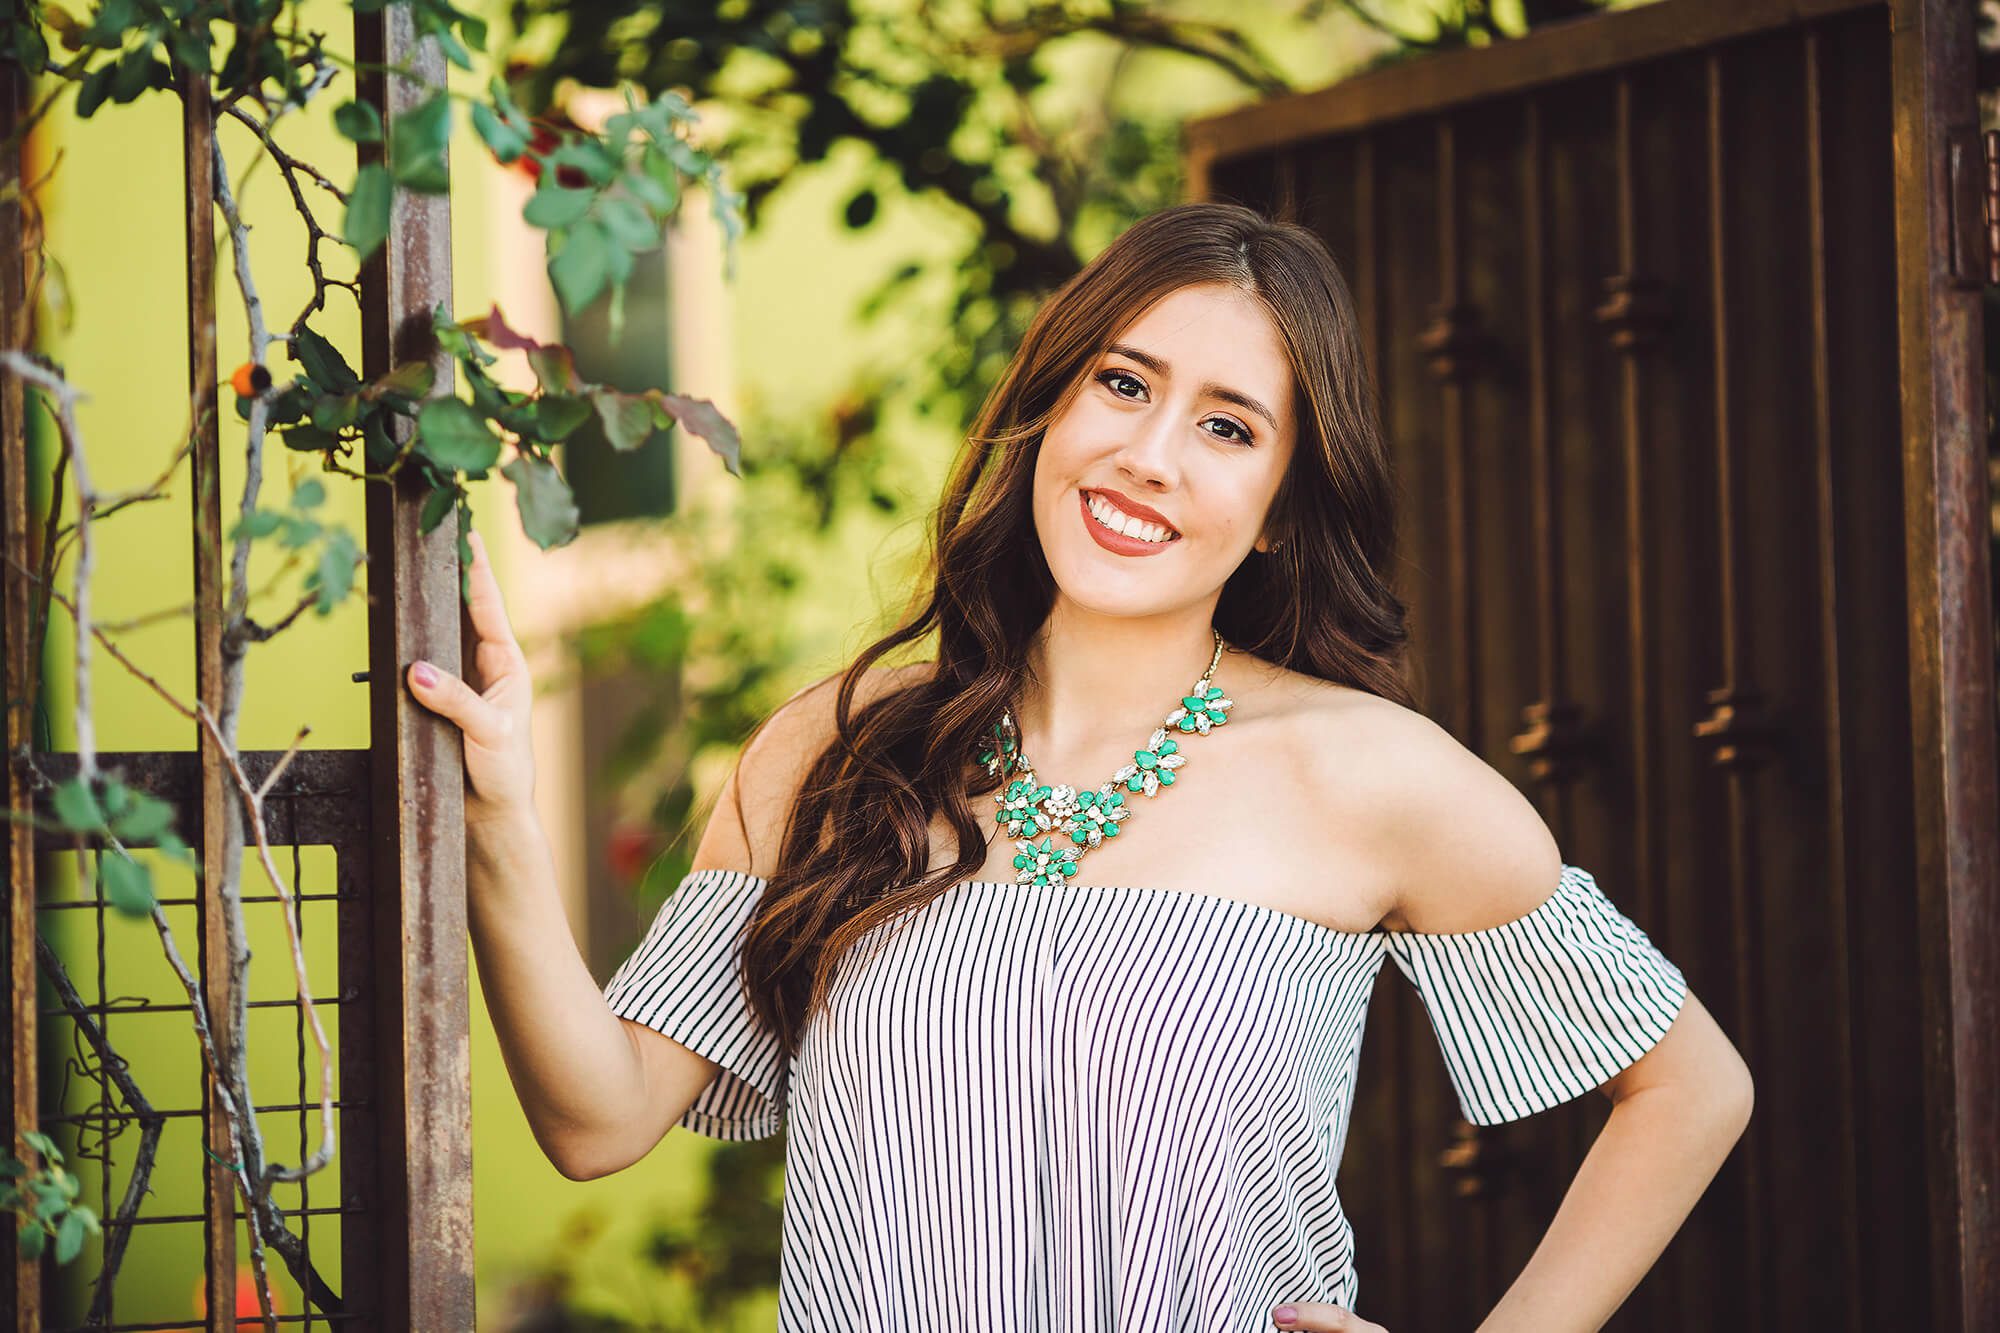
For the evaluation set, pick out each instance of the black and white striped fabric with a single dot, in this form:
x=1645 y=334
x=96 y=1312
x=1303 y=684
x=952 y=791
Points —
x=1112 y=1108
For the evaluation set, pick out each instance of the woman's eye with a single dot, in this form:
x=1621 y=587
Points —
x=1242 y=436
x=1109 y=376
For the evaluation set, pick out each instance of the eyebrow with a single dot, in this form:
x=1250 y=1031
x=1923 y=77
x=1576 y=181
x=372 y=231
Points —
x=1210 y=389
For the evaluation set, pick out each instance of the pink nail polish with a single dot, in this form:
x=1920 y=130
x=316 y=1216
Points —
x=1286 y=1313
x=424 y=674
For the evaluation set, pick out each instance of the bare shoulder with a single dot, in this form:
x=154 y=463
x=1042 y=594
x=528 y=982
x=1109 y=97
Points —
x=750 y=813
x=1463 y=846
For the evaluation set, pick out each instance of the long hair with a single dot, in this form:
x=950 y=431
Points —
x=855 y=849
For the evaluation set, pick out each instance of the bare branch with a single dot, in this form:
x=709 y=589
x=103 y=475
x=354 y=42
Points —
x=118 y=1227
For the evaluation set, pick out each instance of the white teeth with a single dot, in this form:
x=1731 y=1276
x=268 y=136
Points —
x=1119 y=521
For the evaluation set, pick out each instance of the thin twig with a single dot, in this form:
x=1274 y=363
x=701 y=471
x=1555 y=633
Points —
x=292 y=168
x=118 y=1227
x=66 y=397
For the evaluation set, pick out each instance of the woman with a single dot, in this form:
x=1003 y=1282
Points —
x=1054 y=965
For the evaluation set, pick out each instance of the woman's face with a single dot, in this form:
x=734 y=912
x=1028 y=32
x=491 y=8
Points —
x=1154 y=483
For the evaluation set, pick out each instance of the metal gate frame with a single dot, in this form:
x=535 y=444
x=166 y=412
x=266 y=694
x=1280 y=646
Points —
x=1941 y=264
x=393 y=813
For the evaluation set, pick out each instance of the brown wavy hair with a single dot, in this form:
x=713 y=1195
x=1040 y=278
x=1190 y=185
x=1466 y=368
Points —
x=856 y=846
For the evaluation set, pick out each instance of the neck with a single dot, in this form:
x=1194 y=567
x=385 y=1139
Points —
x=1098 y=683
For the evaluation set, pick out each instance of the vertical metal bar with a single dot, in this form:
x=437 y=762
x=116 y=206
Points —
x=205 y=472
x=1730 y=720
x=23 y=1307
x=423 y=1230
x=1447 y=340
x=1837 y=813
x=1940 y=346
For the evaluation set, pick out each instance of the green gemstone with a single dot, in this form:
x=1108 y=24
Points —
x=1169 y=745
x=1186 y=723
x=1077 y=835
x=1117 y=798
x=1214 y=692
x=1166 y=777
x=1020 y=863
x=1147 y=759
x=1110 y=830
x=1191 y=701
x=1134 y=783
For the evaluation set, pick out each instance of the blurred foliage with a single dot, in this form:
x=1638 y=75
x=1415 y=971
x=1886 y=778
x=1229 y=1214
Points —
x=943 y=97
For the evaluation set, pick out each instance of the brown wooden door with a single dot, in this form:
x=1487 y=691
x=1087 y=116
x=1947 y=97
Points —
x=1684 y=390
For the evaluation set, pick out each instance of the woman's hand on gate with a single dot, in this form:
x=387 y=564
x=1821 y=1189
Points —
x=1319 y=1317
x=491 y=713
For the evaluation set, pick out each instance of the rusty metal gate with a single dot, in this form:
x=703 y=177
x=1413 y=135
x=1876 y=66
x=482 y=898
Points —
x=1675 y=317
x=398 y=1210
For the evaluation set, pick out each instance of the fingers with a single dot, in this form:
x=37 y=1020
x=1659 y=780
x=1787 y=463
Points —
x=488 y=610
x=451 y=698
x=1319 y=1317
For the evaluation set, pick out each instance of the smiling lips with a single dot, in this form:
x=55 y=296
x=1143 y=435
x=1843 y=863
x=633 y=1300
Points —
x=1117 y=530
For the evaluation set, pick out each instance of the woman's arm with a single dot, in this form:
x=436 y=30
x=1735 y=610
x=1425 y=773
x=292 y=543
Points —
x=598 y=1091
x=1676 y=1114
x=591 y=1091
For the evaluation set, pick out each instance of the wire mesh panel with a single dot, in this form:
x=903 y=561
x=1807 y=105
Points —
x=125 y=1073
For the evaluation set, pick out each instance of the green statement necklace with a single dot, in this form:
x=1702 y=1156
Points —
x=1071 y=821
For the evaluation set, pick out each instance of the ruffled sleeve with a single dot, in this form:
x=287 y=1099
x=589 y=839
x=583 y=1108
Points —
x=1543 y=1008
x=683 y=980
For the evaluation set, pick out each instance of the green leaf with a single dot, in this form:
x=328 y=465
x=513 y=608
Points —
x=191 y=49
x=69 y=1236
x=258 y=523
x=588 y=155
x=412 y=379
x=309 y=494
x=369 y=203
x=455 y=437
x=548 y=510
x=436 y=506
x=558 y=414
x=289 y=404
x=658 y=165
x=31 y=1238
x=336 y=413
x=76 y=806
x=334 y=577
x=580 y=269
x=629 y=224
x=127 y=885
x=506 y=142
x=96 y=86
x=323 y=363
x=309 y=438
x=627 y=417
x=648 y=190
x=135 y=71
x=417 y=144
x=555 y=367
x=553 y=206
x=144 y=820
x=42 y=1144
x=358 y=121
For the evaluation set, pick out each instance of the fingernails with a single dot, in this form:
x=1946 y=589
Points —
x=424 y=674
x=1286 y=1314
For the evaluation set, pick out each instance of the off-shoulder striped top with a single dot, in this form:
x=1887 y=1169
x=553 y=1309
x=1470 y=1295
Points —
x=1094 y=1108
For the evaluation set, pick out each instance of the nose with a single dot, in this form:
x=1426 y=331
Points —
x=1150 y=455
